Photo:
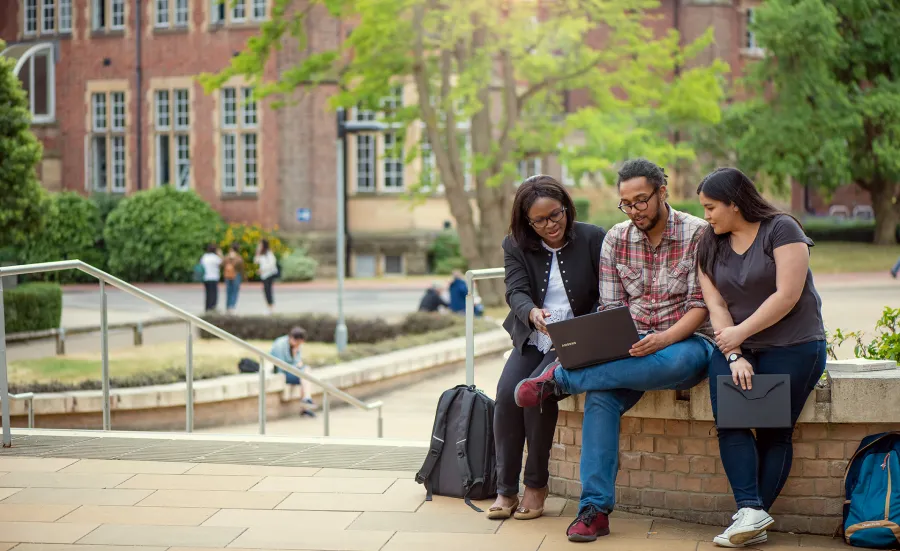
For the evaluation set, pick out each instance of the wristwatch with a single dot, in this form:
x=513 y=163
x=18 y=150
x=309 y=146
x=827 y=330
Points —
x=733 y=357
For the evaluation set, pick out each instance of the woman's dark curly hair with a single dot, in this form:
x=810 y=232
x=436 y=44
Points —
x=532 y=189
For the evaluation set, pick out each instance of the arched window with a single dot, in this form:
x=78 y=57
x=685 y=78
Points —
x=35 y=68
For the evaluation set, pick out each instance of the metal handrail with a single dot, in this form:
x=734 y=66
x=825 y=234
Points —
x=192 y=320
x=471 y=277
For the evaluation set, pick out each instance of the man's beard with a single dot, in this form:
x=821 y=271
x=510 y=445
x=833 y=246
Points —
x=652 y=222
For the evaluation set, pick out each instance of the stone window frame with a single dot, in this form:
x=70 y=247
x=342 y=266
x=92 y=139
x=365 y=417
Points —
x=242 y=13
x=61 y=18
x=107 y=123
x=111 y=9
x=239 y=151
x=749 y=46
x=384 y=265
x=173 y=11
x=25 y=55
x=172 y=127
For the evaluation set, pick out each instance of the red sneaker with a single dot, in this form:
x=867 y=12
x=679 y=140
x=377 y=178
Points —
x=588 y=526
x=531 y=392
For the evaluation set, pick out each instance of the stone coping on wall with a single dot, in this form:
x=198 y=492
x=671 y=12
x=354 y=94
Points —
x=344 y=376
x=856 y=391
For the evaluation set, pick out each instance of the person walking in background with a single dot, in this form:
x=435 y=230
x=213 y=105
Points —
x=287 y=349
x=543 y=237
x=767 y=317
x=233 y=272
x=211 y=262
x=268 y=271
x=896 y=269
x=458 y=292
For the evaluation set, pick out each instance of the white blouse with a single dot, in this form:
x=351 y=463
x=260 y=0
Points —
x=556 y=301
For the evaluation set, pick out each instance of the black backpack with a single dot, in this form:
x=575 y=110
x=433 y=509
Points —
x=468 y=467
x=246 y=365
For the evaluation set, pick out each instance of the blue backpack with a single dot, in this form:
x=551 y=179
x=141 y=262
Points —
x=872 y=493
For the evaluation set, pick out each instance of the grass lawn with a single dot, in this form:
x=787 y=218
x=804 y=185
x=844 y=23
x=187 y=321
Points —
x=838 y=258
x=211 y=357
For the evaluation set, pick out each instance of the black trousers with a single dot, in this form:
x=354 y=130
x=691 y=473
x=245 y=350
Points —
x=267 y=290
x=212 y=294
x=513 y=426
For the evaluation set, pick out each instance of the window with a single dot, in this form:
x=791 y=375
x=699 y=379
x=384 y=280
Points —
x=108 y=15
x=528 y=168
x=173 y=143
x=168 y=11
x=393 y=162
x=36 y=70
x=239 y=141
x=31 y=17
x=393 y=264
x=239 y=11
x=106 y=146
x=750 y=38
x=365 y=162
x=46 y=17
x=217 y=11
x=364 y=265
x=428 y=176
x=259 y=10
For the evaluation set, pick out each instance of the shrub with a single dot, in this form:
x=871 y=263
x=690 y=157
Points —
x=71 y=224
x=32 y=307
x=885 y=345
x=159 y=235
x=445 y=253
x=835 y=229
x=160 y=377
x=320 y=327
x=690 y=207
x=298 y=267
x=583 y=206
x=20 y=151
x=249 y=236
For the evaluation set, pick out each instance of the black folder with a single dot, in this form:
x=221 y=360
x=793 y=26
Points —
x=765 y=406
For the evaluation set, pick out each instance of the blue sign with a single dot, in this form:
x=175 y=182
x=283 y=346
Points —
x=304 y=215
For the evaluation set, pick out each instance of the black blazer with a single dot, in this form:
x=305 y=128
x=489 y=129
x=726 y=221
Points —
x=528 y=272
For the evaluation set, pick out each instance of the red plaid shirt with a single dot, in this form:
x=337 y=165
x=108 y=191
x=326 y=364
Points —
x=660 y=285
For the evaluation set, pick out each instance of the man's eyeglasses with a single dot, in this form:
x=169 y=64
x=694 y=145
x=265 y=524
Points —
x=637 y=205
x=555 y=216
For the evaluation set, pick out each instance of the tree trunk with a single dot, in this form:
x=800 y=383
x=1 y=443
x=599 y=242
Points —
x=887 y=211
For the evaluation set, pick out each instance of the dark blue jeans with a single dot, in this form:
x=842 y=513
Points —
x=232 y=288
x=612 y=389
x=757 y=467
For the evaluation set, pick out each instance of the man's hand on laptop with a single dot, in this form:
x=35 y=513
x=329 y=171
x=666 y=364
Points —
x=537 y=317
x=654 y=342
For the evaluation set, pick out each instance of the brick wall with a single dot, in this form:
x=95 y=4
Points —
x=671 y=468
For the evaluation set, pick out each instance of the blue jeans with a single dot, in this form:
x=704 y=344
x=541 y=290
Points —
x=757 y=468
x=232 y=288
x=896 y=269
x=612 y=389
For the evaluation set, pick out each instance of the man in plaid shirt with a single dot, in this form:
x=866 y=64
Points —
x=649 y=265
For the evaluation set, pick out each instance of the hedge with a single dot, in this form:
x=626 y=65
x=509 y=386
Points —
x=832 y=229
x=32 y=307
x=320 y=327
x=445 y=254
x=582 y=207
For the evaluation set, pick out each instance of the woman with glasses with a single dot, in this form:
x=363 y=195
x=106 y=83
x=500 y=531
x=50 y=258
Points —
x=552 y=265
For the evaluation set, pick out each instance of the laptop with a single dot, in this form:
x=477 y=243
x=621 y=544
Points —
x=594 y=338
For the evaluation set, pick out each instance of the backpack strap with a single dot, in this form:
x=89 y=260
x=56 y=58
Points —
x=462 y=428
x=437 y=439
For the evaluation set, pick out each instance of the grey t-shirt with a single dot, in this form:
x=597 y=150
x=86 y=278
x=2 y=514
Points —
x=746 y=280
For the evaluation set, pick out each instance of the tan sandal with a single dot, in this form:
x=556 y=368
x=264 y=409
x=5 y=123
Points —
x=502 y=513
x=523 y=513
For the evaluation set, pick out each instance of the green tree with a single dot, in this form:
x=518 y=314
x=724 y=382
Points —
x=490 y=85
x=826 y=100
x=20 y=151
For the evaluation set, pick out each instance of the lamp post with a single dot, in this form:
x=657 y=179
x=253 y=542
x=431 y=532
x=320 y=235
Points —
x=344 y=128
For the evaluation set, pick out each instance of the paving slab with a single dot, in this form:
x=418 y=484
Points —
x=44 y=532
x=108 y=466
x=189 y=482
x=33 y=464
x=66 y=496
x=250 y=518
x=43 y=512
x=309 y=537
x=62 y=480
x=253 y=470
x=165 y=516
x=215 y=499
x=465 y=523
x=329 y=485
x=110 y=534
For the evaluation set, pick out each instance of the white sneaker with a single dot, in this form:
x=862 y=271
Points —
x=748 y=524
x=758 y=540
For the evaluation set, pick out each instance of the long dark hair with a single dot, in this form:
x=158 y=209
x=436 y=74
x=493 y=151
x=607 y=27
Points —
x=265 y=246
x=530 y=191
x=732 y=187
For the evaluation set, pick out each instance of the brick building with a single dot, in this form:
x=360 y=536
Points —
x=116 y=103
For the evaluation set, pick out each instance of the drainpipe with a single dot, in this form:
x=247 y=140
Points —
x=139 y=85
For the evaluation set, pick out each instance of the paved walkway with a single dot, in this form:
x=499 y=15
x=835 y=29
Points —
x=165 y=502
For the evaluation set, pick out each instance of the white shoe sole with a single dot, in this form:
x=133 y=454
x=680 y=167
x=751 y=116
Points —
x=739 y=539
x=760 y=539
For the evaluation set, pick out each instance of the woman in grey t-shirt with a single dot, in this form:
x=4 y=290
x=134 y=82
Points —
x=767 y=315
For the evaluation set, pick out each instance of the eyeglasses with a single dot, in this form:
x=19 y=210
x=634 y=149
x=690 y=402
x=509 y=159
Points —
x=555 y=216
x=637 y=205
